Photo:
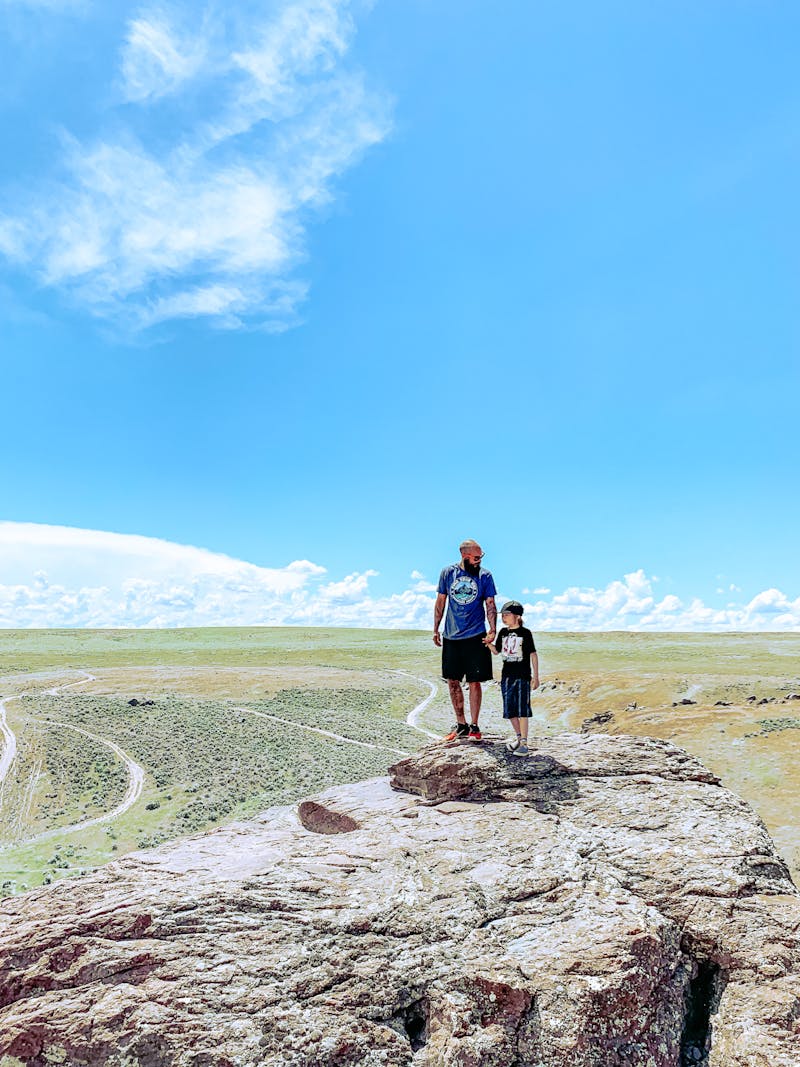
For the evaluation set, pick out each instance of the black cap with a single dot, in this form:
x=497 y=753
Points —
x=513 y=607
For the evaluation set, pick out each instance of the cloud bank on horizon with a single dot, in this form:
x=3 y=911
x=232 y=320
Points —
x=56 y=576
x=230 y=128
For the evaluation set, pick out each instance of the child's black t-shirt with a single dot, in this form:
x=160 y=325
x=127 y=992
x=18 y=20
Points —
x=515 y=646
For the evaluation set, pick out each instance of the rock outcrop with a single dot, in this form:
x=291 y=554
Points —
x=604 y=902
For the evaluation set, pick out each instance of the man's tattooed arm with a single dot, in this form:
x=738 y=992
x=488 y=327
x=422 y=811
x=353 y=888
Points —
x=491 y=614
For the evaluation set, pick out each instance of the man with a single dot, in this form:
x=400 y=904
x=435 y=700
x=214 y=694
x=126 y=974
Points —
x=468 y=590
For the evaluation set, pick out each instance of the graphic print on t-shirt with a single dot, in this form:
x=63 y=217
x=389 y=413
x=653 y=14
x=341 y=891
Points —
x=464 y=590
x=512 y=648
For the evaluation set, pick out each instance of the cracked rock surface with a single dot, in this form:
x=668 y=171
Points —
x=604 y=902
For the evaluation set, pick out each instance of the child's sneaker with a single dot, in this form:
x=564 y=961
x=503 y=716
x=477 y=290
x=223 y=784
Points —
x=474 y=732
x=521 y=750
x=514 y=743
x=458 y=733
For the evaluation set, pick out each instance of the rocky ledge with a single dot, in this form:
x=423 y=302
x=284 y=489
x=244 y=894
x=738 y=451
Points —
x=603 y=902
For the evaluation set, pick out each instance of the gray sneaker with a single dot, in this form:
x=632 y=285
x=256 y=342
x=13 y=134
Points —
x=521 y=750
x=513 y=743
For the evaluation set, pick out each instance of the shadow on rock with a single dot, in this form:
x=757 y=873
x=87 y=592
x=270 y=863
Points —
x=485 y=773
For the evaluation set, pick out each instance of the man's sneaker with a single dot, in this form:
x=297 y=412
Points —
x=521 y=750
x=459 y=731
x=514 y=743
x=474 y=732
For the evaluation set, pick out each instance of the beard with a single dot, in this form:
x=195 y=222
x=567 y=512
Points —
x=471 y=568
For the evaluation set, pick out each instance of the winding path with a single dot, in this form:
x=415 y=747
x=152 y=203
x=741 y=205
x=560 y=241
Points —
x=412 y=719
x=71 y=685
x=324 y=733
x=132 y=793
x=9 y=739
x=135 y=771
x=10 y=746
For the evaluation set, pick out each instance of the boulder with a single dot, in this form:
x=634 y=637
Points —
x=604 y=902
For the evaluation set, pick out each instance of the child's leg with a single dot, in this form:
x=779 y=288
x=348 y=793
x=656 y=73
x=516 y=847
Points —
x=509 y=705
x=525 y=707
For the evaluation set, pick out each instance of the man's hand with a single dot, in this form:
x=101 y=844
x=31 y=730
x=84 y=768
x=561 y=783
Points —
x=437 y=638
x=534 y=684
x=489 y=639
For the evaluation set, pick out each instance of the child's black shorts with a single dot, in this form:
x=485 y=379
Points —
x=468 y=658
x=516 y=698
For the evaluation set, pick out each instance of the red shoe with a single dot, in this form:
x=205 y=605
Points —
x=458 y=733
x=474 y=732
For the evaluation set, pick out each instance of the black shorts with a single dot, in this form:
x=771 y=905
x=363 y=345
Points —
x=468 y=658
x=516 y=698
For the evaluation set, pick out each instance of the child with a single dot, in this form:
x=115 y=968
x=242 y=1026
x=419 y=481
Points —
x=520 y=660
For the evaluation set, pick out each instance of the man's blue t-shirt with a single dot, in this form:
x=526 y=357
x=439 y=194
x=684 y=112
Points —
x=465 y=596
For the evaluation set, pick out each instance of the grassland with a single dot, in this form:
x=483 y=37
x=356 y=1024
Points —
x=226 y=722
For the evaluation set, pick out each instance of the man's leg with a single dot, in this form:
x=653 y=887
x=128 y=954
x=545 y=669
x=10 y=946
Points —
x=475 y=697
x=460 y=730
x=453 y=672
x=457 y=699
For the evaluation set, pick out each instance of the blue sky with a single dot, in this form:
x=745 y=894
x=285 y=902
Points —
x=344 y=283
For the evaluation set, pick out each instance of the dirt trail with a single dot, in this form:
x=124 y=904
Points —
x=10 y=742
x=135 y=771
x=132 y=793
x=323 y=733
x=10 y=746
x=412 y=719
x=71 y=685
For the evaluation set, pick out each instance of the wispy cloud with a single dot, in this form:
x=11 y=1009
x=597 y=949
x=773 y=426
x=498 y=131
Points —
x=55 y=576
x=158 y=57
x=232 y=130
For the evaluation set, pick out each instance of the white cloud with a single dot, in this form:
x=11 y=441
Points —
x=158 y=57
x=205 y=215
x=351 y=590
x=421 y=583
x=630 y=605
x=55 y=576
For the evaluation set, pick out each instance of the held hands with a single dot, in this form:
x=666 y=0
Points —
x=489 y=639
